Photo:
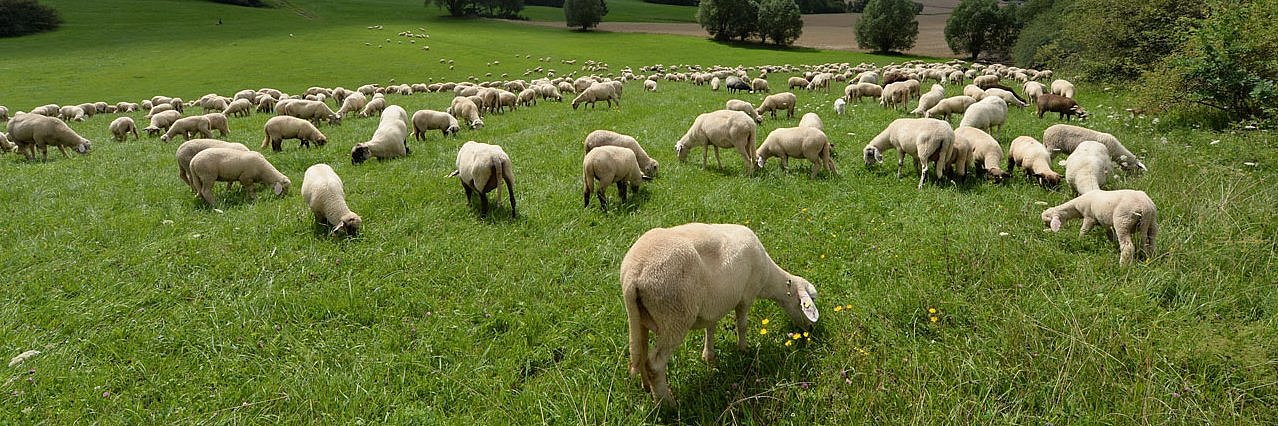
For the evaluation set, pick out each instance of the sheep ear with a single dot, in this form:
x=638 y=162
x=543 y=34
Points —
x=646 y=177
x=339 y=226
x=809 y=307
x=1056 y=223
x=279 y=189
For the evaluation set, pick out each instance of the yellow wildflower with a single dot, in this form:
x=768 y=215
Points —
x=765 y=321
x=838 y=308
x=789 y=342
x=805 y=334
x=763 y=331
x=931 y=310
x=934 y=319
x=848 y=307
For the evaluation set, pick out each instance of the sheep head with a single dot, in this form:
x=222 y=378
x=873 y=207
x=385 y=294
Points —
x=83 y=146
x=799 y=302
x=1052 y=219
x=682 y=149
x=872 y=156
x=359 y=154
x=349 y=224
x=281 y=187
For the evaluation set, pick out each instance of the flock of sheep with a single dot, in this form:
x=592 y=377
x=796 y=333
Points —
x=673 y=279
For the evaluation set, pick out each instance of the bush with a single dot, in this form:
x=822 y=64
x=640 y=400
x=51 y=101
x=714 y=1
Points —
x=887 y=26
x=547 y=3
x=584 y=13
x=821 y=6
x=1041 y=22
x=780 y=21
x=22 y=17
x=729 y=19
x=1107 y=40
x=674 y=2
x=508 y=9
x=978 y=26
x=249 y=3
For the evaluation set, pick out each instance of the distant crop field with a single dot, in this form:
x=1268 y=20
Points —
x=149 y=307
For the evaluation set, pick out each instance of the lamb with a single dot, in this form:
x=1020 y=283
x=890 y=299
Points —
x=506 y=99
x=1063 y=88
x=424 y=120
x=973 y=91
x=217 y=121
x=187 y=151
x=187 y=126
x=323 y=192
x=1006 y=95
x=984 y=81
x=266 y=103
x=950 y=105
x=547 y=91
x=5 y=145
x=610 y=164
x=50 y=110
x=929 y=100
x=1088 y=167
x=714 y=84
x=480 y=166
x=799 y=82
x=689 y=277
x=925 y=139
x=840 y=106
x=214 y=165
x=811 y=119
x=4 y=113
x=595 y=93
x=600 y=138
x=858 y=91
x=1055 y=103
x=650 y=85
x=987 y=114
x=354 y=103
x=120 y=128
x=960 y=154
x=282 y=127
x=1063 y=138
x=1124 y=213
x=743 y=106
x=159 y=109
x=313 y=111
x=161 y=122
x=238 y=108
x=31 y=131
x=528 y=97
x=721 y=129
x=1034 y=158
x=780 y=101
x=390 y=140
x=71 y=113
x=985 y=152
x=1033 y=90
x=759 y=85
x=804 y=141
x=465 y=110
x=374 y=106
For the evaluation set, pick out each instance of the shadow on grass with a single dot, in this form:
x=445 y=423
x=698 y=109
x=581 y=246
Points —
x=761 y=46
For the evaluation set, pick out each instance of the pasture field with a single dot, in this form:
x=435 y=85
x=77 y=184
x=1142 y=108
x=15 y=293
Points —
x=151 y=308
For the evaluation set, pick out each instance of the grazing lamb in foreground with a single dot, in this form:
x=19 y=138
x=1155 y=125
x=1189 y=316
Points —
x=925 y=139
x=480 y=166
x=1124 y=213
x=323 y=192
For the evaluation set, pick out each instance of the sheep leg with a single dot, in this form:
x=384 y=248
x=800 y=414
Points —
x=1151 y=232
x=483 y=204
x=719 y=162
x=1127 y=250
x=1088 y=223
x=603 y=199
x=621 y=189
x=900 y=162
x=743 y=319
x=468 y=192
x=816 y=166
x=659 y=360
x=707 y=349
x=785 y=164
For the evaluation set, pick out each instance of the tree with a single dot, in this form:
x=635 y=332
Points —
x=780 y=21
x=22 y=17
x=978 y=26
x=887 y=26
x=729 y=19
x=584 y=13
x=456 y=8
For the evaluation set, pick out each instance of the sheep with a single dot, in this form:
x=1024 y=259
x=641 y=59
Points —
x=1088 y=167
x=89 y=110
x=238 y=108
x=322 y=191
x=714 y=84
x=217 y=121
x=266 y=103
x=985 y=81
x=894 y=95
x=780 y=101
x=929 y=100
x=313 y=111
x=566 y=87
x=31 y=131
x=689 y=277
x=465 y=110
x=973 y=91
x=353 y=103
x=216 y=103
x=1034 y=158
x=5 y=145
x=804 y=141
x=479 y=166
x=214 y=165
x=71 y=113
x=960 y=154
x=759 y=85
x=187 y=150
x=811 y=119
x=161 y=122
x=1007 y=96
x=50 y=110
x=548 y=91
x=282 y=127
x=610 y=164
x=188 y=125
x=506 y=99
x=390 y=140
x=987 y=114
x=722 y=128
x=1063 y=88
x=858 y=91
x=1063 y=138
x=650 y=85
x=424 y=120
x=950 y=105
x=1124 y=213
x=1033 y=90
x=734 y=83
x=120 y=128
x=600 y=138
x=925 y=139
x=840 y=106
x=799 y=82
x=984 y=152
x=159 y=109
x=374 y=106
x=4 y=113
x=527 y=97
x=1055 y=103
x=595 y=93
x=743 y=106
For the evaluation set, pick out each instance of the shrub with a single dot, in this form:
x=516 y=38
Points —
x=22 y=17
x=780 y=21
x=674 y=2
x=821 y=6
x=978 y=26
x=728 y=19
x=1041 y=22
x=547 y=3
x=508 y=9
x=584 y=13
x=887 y=26
x=1107 y=40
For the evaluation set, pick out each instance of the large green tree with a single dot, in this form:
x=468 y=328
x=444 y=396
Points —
x=729 y=19
x=22 y=17
x=780 y=21
x=981 y=26
x=584 y=13
x=887 y=26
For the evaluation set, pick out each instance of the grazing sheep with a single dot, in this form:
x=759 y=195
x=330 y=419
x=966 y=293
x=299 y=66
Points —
x=282 y=127
x=610 y=164
x=32 y=131
x=323 y=192
x=1124 y=213
x=5 y=145
x=186 y=126
x=506 y=100
x=466 y=110
x=985 y=81
x=213 y=104
x=187 y=150
x=714 y=84
x=811 y=119
x=799 y=82
x=950 y=105
x=480 y=166
x=50 y=110
x=743 y=106
x=929 y=100
x=973 y=91
x=161 y=122
x=840 y=106
x=390 y=140
x=759 y=85
x=1007 y=96
x=986 y=154
x=1033 y=90
x=925 y=139
x=1063 y=88
x=689 y=277
x=734 y=83
x=314 y=111
x=353 y=103
x=528 y=97
x=374 y=106
x=121 y=127
x=266 y=103
x=238 y=108
x=1088 y=167
x=1063 y=138
x=721 y=129
x=4 y=113
x=960 y=154
x=650 y=85
x=1034 y=158
x=595 y=93
x=159 y=109
x=988 y=114
x=424 y=120
x=804 y=141
x=548 y=91
x=71 y=113
x=1067 y=107
x=214 y=165
x=780 y=101
x=600 y=138
x=858 y=91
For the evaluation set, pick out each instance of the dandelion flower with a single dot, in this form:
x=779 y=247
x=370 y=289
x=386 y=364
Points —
x=933 y=319
x=805 y=334
x=763 y=331
x=805 y=210
x=823 y=255
x=765 y=321
x=848 y=307
x=794 y=336
x=838 y=308
x=789 y=342
x=931 y=310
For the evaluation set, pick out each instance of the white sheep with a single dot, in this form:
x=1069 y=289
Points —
x=743 y=106
x=1063 y=138
x=282 y=127
x=608 y=165
x=840 y=106
x=1063 y=88
x=924 y=139
x=1008 y=97
x=160 y=122
x=777 y=102
x=214 y=165
x=528 y=97
x=973 y=91
x=32 y=131
x=390 y=140
x=987 y=114
x=71 y=113
x=425 y=120
x=721 y=129
x=595 y=93
x=50 y=110
x=950 y=105
x=238 y=108
x=374 y=106
x=929 y=100
x=308 y=110
x=1034 y=158
x=1032 y=91
x=811 y=119
x=600 y=138
x=481 y=167
x=467 y=111
x=352 y=104
x=799 y=82
x=804 y=141
x=985 y=152
x=5 y=145
x=187 y=151
x=323 y=192
x=159 y=109
x=186 y=126
x=714 y=84
x=4 y=113
x=895 y=95
x=1124 y=213
x=217 y=121
x=689 y=277
x=121 y=127
x=1088 y=167
x=650 y=85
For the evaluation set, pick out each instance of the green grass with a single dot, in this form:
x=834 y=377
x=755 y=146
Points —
x=623 y=11
x=151 y=308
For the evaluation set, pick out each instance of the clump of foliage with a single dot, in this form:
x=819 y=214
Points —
x=22 y=17
x=729 y=19
x=584 y=13
x=821 y=6
x=887 y=26
x=780 y=20
x=981 y=26
x=506 y=9
x=675 y=2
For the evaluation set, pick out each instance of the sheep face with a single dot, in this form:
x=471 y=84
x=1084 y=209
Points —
x=360 y=154
x=872 y=156
x=452 y=129
x=1051 y=219
x=682 y=150
x=799 y=302
x=280 y=188
x=349 y=225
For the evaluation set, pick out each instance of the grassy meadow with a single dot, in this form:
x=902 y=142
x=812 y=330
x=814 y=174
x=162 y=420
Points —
x=151 y=308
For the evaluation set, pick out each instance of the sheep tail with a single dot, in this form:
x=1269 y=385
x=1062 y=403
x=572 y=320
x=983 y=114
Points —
x=637 y=319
